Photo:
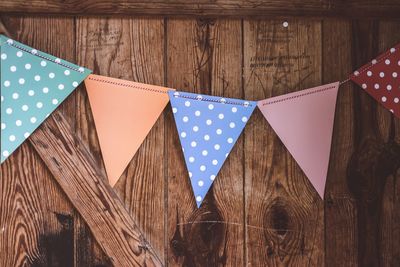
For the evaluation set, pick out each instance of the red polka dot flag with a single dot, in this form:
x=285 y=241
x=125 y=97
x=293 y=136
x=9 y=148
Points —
x=381 y=79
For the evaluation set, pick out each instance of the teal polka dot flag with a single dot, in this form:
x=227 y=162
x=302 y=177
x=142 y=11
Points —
x=208 y=128
x=33 y=85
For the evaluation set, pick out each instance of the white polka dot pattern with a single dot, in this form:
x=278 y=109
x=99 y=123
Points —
x=381 y=79
x=208 y=128
x=28 y=94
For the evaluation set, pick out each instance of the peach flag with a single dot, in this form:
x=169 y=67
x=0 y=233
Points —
x=124 y=113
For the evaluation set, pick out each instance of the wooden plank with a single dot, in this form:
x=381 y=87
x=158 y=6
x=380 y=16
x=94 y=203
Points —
x=364 y=183
x=248 y=8
x=284 y=214
x=131 y=49
x=36 y=218
x=375 y=159
x=87 y=252
x=57 y=36
x=84 y=183
x=38 y=224
x=204 y=56
x=389 y=243
x=228 y=191
x=340 y=209
x=181 y=204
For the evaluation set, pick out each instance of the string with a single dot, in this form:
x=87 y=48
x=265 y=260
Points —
x=36 y=53
x=239 y=224
x=297 y=95
x=129 y=85
x=373 y=62
x=345 y=81
x=221 y=100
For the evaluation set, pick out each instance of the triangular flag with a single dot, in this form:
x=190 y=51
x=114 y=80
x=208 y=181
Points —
x=304 y=122
x=381 y=79
x=124 y=113
x=208 y=128
x=33 y=84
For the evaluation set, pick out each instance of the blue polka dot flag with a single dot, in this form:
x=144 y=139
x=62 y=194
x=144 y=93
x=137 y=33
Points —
x=208 y=128
x=33 y=84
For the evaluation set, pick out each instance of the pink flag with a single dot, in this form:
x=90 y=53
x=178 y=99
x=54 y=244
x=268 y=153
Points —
x=304 y=122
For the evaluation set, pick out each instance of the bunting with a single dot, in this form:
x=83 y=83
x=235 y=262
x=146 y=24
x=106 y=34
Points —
x=208 y=128
x=124 y=113
x=303 y=121
x=33 y=85
x=381 y=79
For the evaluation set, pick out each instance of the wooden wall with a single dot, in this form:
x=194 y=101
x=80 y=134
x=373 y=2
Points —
x=261 y=210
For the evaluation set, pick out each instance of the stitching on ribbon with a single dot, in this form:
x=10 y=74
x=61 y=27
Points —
x=42 y=56
x=245 y=104
x=128 y=85
x=299 y=95
x=383 y=57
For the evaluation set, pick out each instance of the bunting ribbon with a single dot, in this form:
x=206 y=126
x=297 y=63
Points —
x=123 y=112
x=381 y=79
x=33 y=84
x=208 y=128
x=303 y=120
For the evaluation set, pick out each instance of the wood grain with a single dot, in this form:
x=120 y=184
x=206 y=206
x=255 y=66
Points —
x=181 y=203
x=137 y=47
x=364 y=183
x=87 y=252
x=389 y=233
x=375 y=159
x=84 y=183
x=264 y=212
x=57 y=36
x=360 y=220
x=36 y=218
x=209 y=52
x=228 y=190
x=284 y=214
x=340 y=209
x=248 y=8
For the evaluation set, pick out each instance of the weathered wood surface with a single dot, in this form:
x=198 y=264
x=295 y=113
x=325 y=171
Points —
x=131 y=49
x=242 y=8
x=118 y=235
x=86 y=187
x=340 y=210
x=261 y=211
x=39 y=225
x=205 y=57
x=284 y=214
